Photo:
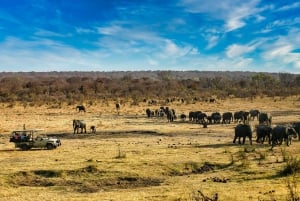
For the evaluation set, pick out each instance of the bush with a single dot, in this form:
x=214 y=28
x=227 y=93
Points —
x=292 y=166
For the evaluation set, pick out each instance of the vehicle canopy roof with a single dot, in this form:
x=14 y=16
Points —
x=27 y=131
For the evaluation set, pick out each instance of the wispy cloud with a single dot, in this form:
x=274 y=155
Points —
x=140 y=41
x=289 y=7
x=281 y=51
x=232 y=12
x=46 y=33
x=43 y=55
x=236 y=50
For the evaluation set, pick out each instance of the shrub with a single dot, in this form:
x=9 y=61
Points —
x=292 y=166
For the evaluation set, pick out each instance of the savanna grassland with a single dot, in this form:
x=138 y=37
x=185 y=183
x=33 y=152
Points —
x=132 y=157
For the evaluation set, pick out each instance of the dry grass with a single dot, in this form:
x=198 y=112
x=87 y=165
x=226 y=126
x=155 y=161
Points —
x=132 y=157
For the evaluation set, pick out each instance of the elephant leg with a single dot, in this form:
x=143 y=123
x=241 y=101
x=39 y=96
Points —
x=234 y=139
x=288 y=141
x=250 y=139
x=263 y=139
x=244 y=139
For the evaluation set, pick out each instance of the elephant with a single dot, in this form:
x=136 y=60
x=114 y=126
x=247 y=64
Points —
x=238 y=116
x=79 y=124
x=80 y=108
x=241 y=116
x=197 y=116
x=243 y=130
x=161 y=113
x=265 y=118
x=296 y=126
x=170 y=115
x=280 y=133
x=174 y=113
x=118 y=107
x=263 y=132
x=152 y=102
x=209 y=119
x=212 y=100
x=227 y=117
x=148 y=112
x=201 y=117
x=216 y=117
x=93 y=129
x=193 y=115
x=183 y=117
x=254 y=113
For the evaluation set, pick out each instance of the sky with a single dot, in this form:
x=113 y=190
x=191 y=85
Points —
x=134 y=35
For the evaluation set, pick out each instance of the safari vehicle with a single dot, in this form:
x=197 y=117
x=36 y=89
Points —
x=27 y=139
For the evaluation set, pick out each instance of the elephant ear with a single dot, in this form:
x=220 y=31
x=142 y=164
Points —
x=289 y=131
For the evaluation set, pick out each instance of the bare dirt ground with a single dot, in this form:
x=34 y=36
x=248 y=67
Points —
x=132 y=157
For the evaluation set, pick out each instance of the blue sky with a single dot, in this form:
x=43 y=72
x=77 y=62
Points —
x=113 y=35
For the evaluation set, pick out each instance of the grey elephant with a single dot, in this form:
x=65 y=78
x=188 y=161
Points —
x=263 y=132
x=148 y=112
x=296 y=126
x=183 y=117
x=241 y=116
x=227 y=117
x=201 y=118
x=216 y=117
x=280 y=133
x=242 y=131
x=265 y=118
x=170 y=115
x=193 y=115
x=254 y=113
x=80 y=108
x=79 y=124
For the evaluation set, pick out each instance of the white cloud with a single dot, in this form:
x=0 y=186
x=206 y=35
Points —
x=46 y=33
x=239 y=50
x=289 y=7
x=232 y=12
x=43 y=55
x=280 y=51
x=81 y=30
x=212 y=41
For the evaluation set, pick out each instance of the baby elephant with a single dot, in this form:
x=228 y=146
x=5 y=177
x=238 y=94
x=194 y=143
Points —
x=93 y=129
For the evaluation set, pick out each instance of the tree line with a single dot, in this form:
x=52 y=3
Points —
x=46 y=88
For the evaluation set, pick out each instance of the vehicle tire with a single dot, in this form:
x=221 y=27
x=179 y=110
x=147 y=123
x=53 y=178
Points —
x=25 y=147
x=50 y=146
